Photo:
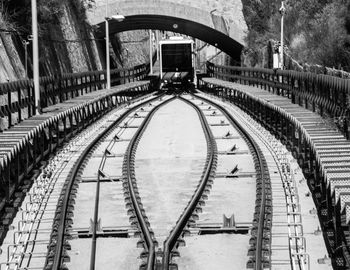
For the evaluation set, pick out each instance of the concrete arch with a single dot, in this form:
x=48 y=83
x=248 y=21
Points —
x=178 y=16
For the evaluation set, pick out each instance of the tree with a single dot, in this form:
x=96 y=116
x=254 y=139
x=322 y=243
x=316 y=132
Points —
x=316 y=31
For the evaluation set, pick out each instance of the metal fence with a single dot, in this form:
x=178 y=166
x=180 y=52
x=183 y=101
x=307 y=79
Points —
x=17 y=98
x=324 y=94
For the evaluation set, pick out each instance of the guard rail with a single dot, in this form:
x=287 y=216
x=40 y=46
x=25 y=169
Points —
x=324 y=94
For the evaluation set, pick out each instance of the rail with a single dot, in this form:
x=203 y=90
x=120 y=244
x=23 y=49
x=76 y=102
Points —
x=129 y=178
x=325 y=94
x=59 y=235
x=263 y=214
x=210 y=166
x=17 y=97
x=309 y=150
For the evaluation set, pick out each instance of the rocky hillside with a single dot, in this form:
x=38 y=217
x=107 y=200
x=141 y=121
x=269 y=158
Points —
x=66 y=44
x=66 y=40
x=316 y=31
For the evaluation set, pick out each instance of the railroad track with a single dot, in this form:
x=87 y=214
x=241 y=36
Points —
x=262 y=218
x=204 y=184
x=162 y=258
x=260 y=241
x=59 y=244
x=132 y=195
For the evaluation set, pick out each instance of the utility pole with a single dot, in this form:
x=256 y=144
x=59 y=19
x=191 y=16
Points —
x=158 y=52
x=25 y=44
x=35 y=57
x=108 y=63
x=282 y=11
x=150 y=52
x=118 y=18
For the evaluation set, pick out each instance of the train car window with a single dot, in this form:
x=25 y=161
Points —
x=176 y=57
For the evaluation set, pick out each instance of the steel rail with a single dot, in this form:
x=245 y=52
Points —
x=264 y=175
x=61 y=228
x=131 y=181
x=181 y=223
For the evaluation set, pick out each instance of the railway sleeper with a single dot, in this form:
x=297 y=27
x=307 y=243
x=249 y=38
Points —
x=207 y=189
x=261 y=187
x=255 y=228
x=134 y=222
x=265 y=263
x=51 y=254
x=191 y=222
x=211 y=181
x=204 y=197
x=144 y=253
x=141 y=243
x=174 y=253
x=186 y=232
x=268 y=202
x=198 y=209
x=265 y=250
x=195 y=216
x=131 y=212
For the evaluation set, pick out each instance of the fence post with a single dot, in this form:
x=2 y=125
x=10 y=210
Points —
x=19 y=97
x=9 y=102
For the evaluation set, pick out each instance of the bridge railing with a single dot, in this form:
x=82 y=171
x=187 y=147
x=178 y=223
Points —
x=17 y=98
x=324 y=94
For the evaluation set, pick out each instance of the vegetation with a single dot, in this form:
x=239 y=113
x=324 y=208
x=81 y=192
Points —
x=62 y=34
x=316 y=31
x=15 y=15
x=7 y=24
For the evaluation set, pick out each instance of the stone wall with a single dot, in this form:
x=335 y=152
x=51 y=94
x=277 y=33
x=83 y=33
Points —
x=225 y=16
x=11 y=65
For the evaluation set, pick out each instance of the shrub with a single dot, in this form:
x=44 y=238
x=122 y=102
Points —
x=316 y=31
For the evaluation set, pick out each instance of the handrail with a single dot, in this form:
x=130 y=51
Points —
x=325 y=94
x=18 y=96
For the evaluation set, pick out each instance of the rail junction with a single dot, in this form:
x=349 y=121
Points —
x=250 y=169
x=46 y=217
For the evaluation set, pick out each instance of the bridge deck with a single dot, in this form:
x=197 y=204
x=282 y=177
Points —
x=331 y=149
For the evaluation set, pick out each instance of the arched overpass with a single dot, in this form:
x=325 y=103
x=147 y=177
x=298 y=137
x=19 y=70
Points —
x=200 y=21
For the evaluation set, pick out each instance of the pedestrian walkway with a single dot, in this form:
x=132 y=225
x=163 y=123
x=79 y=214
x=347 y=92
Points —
x=25 y=145
x=322 y=151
